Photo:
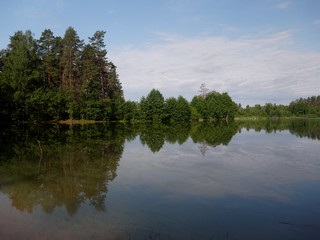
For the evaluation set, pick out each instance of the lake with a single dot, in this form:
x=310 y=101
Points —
x=241 y=180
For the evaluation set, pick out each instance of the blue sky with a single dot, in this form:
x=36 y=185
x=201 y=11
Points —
x=258 y=51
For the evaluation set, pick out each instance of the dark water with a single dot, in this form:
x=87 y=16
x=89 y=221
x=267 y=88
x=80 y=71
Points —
x=258 y=180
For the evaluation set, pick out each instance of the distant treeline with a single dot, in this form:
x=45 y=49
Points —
x=57 y=78
x=307 y=107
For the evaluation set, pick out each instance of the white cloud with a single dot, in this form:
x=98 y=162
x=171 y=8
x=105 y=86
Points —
x=252 y=69
x=283 y=5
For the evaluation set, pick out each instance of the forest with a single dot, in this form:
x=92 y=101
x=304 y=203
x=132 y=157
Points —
x=56 y=78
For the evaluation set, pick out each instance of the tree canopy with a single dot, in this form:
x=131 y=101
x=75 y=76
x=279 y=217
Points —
x=56 y=78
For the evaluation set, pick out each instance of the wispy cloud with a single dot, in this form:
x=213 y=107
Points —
x=283 y=5
x=31 y=13
x=251 y=69
x=317 y=22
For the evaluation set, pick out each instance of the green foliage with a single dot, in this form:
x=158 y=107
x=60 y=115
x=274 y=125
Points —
x=153 y=106
x=214 y=106
x=268 y=110
x=177 y=110
x=57 y=78
x=130 y=111
x=183 y=110
x=70 y=61
x=93 y=109
x=171 y=109
x=306 y=106
x=50 y=48
x=46 y=105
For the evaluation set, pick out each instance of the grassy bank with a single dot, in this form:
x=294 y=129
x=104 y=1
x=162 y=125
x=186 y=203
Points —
x=75 y=121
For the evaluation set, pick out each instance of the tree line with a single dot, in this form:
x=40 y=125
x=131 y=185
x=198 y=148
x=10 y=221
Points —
x=306 y=107
x=53 y=78
x=56 y=78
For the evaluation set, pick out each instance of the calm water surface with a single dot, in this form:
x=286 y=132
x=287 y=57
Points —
x=238 y=181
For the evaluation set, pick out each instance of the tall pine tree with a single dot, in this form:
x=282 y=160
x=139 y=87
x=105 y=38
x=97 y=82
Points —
x=50 y=49
x=70 y=61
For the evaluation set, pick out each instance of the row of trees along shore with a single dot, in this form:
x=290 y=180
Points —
x=57 y=78
x=302 y=107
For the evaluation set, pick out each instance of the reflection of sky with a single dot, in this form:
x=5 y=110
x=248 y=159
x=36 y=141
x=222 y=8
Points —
x=259 y=186
x=253 y=164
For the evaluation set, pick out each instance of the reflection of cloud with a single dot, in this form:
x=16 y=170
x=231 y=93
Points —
x=250 y=167
x=260 y=68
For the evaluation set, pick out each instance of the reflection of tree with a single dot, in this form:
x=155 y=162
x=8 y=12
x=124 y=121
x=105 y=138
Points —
x=210 y=134
x=269 y=126
x=154 y=139
x=154 y=135
x=299 y=127
x=306 y=128
x=69 y=166
x=70 y=169
x=203 y=147
x=178 y=133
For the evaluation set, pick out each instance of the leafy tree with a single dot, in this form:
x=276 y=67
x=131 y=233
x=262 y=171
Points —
x=183 y=109
x=130 y=111
x=20 y=72
x=199 y=107
x=46 y=105
x=171 y=109
x=6 y=91
x=214 y=106
x=153 y=106
x=305 y=106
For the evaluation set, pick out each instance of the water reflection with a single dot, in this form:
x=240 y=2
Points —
x=155 y=135
x=309 y=128
x=68 y=166
x=59 y=166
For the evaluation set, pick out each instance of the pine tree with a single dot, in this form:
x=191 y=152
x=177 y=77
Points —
x=98 y=45
x=90 y=85
x=50 y=49
x=70 y=61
